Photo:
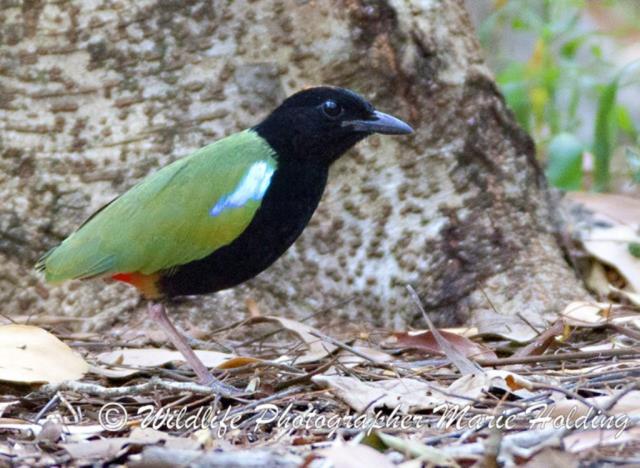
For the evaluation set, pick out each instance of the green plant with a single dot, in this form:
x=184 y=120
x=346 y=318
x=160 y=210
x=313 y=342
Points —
x=564 y=167
x=611 y=118
x=566 y=72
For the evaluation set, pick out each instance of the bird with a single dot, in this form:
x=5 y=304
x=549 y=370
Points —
x=223 y=214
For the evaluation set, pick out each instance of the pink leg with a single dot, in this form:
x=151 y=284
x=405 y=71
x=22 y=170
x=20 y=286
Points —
x=158 y=314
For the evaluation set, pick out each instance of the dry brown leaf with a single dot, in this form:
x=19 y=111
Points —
x=468 y=386
x=349 y=359
x=406 y=394
x=619 y=208
x=584 y=440
x=425 y=341
x=472 y=386
x=32 y=355
x=633 y=322
x=629 y=404
x=634 y=298
x=596 y=279
x=607 y=237
x=549 y=457
x=136 y=359
x=587 y=314
x=196 y=332
x=468 y=332
x=512 y=327
x=615 y=342
x=343 y=455
x=611 y=246
x=239 y=361
x=101 y=449
x=515 y=383
x=78 y=431
x=5 y=404
x=542 y=342
x=106 y=449
x=317 y=349
x=156 y=357
x=113 y=372
x=455 y=356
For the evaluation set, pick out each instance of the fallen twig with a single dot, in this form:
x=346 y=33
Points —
x=557 y=357
x=160 y=456
x=111 y=392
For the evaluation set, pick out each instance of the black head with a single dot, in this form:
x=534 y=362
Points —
x=321 y=124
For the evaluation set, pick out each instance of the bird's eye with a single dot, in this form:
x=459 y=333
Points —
x=332 y=109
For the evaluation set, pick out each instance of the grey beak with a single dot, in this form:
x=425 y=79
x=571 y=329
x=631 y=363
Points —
x=380 y=123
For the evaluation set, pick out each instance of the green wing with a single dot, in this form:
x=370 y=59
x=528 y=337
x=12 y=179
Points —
x=182 y=213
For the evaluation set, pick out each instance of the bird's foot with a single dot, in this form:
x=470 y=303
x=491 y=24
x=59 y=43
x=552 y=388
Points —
x=158 y=314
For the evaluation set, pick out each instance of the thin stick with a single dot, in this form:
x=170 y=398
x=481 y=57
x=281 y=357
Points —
x=463 y=363
x=354 y=351
x=52 y=403
x=558 y=357
x=112 y=392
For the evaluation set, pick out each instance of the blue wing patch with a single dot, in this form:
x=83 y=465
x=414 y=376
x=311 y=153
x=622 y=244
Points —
x=253 y=186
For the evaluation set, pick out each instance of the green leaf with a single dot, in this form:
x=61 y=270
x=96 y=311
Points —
x=518 y=100
x=564 y=166
x=570 y=48
x=596 y=50
x=514 y=72
x=373 y=441
x=519 y=24
x=634 y=249
x=603 y=135
x=550 y=75
x=625 y=122
x=513 y=84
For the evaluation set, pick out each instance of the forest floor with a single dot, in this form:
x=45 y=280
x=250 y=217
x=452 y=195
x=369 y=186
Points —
x=344 y=396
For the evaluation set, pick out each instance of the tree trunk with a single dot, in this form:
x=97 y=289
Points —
x=95 y=95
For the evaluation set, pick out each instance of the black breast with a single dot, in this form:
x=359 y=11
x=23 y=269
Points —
x=286 y=209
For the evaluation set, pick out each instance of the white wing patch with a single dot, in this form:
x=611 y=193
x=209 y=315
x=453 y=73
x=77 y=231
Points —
x=252 y=187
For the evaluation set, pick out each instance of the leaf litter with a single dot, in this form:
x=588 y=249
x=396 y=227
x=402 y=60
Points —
x=344 y=397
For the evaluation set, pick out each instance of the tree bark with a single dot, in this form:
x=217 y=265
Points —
x=95 y=95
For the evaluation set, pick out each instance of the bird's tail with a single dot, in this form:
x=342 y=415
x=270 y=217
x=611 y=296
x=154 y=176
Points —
x=65 y=262
x=41 y=263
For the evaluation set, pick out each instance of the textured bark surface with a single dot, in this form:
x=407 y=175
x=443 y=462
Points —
x=96 y=94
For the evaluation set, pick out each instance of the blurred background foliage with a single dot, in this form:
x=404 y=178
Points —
x=570 y=71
